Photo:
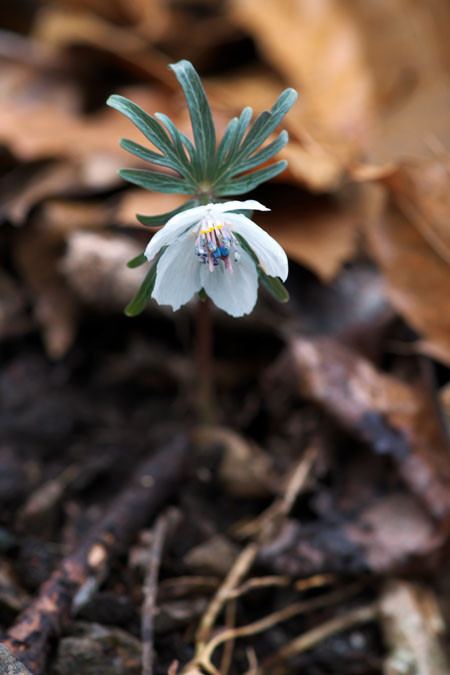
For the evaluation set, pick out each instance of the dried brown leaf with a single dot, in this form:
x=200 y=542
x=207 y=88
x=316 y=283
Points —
x=94 y=267
x=395 y=418
x=410 y=240
x=37 y=253
x=320 y=234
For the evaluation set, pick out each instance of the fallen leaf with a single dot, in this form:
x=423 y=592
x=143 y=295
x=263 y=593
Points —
x=409 y=238
x=94 y=267
x=37 y=253
x=394 y=418
x=318 y=233
x=244 y=468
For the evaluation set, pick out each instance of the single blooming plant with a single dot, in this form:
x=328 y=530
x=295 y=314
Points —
x=207 y=246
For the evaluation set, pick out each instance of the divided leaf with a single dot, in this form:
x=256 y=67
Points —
x=200 y=112
x=200 y=168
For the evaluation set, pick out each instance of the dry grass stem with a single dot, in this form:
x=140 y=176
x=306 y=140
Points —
x=204 y=657
x=150 y=588
x=314 y=636
x=259 y=582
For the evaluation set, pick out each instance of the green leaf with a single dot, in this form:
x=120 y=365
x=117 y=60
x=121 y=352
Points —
x=162 y=218
x=263 y=155
x=224 y=144
x=148 y=155
x=274 y=286
x=266 y=122
x=243 y=122
x=178 y=143
x=151 y=180
x=137 y=261
x=249 y=181
x=144 y=122
x=140 y=300
x=200 y=113
x=190 y=147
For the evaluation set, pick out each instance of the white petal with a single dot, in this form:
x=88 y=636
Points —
x=172 y=229
x=177 y=274
x=235 y=292
x=247 y=205
x=271 y=256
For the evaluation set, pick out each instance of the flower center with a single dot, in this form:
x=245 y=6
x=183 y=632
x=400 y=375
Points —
x=215 y=241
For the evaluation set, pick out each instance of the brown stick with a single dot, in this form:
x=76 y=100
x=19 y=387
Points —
x=150 y=590
x=29 y=637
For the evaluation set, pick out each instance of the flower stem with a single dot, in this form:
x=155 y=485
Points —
x=204 y=349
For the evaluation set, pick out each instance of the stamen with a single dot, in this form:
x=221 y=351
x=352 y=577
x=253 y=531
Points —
x=214 y=242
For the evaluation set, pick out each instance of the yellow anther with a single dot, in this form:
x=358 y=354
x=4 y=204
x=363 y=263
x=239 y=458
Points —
x=211 y=229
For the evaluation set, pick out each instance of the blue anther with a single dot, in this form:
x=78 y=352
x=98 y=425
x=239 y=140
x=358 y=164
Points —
x=224 y=251
x=216 y=253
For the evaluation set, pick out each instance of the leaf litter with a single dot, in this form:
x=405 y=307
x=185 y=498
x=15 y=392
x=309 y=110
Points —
x=312 y=525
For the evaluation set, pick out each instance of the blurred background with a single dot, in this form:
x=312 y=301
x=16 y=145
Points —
x=357 y=360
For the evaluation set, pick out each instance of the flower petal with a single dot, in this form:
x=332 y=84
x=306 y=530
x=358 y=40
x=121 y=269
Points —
x=235 y=205
x=235 y=292
x=271 y=256
x=177 y=274
x=173 y=229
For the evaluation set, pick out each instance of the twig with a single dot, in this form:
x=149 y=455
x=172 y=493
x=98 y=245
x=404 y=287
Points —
x=149 y=591
x=259 y=582
x=234 y=577
x=246 y=558
x=45 y=618
x=204 y=658
x=316 y=635
x=227 y=655
x=264 y=524
x=252 y=662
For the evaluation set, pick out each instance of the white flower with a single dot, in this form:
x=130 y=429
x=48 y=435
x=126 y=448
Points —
x=203 y=252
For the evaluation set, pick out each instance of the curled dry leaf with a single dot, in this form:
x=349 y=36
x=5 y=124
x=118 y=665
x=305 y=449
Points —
x=214 y=556
x=394 y=418
x=244 y=469
x=410 y=240
x=94 y=268
x=37 y=252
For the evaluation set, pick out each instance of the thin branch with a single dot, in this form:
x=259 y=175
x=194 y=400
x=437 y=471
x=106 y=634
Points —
x=45 y=618
x=316 y=635
x=273 y=619
x=150 y=588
